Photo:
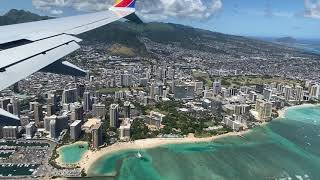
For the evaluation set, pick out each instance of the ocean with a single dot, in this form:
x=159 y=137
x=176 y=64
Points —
x=286 y=148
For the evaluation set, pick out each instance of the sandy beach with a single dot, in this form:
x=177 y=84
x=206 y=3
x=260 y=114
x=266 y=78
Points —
x=92 y=156
x=282 y=112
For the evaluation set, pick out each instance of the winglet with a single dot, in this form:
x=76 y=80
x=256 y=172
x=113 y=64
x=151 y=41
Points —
x=125 y=3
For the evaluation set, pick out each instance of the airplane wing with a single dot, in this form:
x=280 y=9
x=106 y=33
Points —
x=37 y=46
x=30 y=47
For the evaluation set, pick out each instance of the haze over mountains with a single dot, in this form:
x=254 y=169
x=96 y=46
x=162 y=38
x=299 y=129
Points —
x=131 y=38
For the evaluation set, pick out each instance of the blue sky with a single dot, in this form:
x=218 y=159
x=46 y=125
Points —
x=264 y=18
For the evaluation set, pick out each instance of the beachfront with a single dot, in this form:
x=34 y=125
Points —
x=92 y=156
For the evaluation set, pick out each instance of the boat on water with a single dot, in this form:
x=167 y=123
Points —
x=139 y=155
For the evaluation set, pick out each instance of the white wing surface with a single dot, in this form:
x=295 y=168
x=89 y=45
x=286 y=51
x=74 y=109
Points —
x=29 y=47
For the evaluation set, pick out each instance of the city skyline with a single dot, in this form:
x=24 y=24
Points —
x=265 y=18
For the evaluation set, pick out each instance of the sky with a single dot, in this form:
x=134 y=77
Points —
x=259 y=18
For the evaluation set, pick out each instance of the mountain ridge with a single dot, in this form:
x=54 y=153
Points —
x=130 y=35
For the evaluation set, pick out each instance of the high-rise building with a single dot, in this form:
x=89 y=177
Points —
x=30 y=130
x=52 y=99
x=314 y=91
x=287 y=93
x=252 y=96
x=299 y=93
x=50 y=109
x=75 y=129
x=264 y=109
x=165 y=92
x=16 y=106
x=99 y=110
x=160 y=90
x=280 y=88
x=267 y=93
x=216 y=88
x=4 y=103
x=62 y=122
x=151 y=90
x=77 y=113
x=238 y=110
x=32 y=105
x=119 y=95
x=57 y=124
x=10 y=108
x=53 y=130
x=81 y=89
x=125 y=131
x=70 y=96
x=87 y=105
x=47 y=120
x=127 y=109
x=184 y=91
x=145 y=100
x=10 y=132
x=114 y=115
x=38 y=114
x=125 y=80
x=96 y=136
x=244 y=89
x=155 y=119
x=233 y=91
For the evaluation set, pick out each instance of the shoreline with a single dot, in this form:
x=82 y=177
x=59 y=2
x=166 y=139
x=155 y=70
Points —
x=282 y=112
x=90 y=157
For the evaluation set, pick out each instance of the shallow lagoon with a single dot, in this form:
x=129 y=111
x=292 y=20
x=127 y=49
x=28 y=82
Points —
x=72 y=154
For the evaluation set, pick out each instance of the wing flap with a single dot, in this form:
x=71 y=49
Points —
x=23 y=69
x=15 y=55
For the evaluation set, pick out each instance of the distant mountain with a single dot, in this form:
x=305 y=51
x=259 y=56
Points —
x=15 y=16
x=288 y=40
x=132 y=39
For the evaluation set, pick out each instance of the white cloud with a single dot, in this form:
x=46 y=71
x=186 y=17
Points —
x=312 y=9
x=148 y=9
x=56 y=12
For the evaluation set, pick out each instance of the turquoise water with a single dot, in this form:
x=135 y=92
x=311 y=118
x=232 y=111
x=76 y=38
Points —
x=284 y=149
x=72 y=154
